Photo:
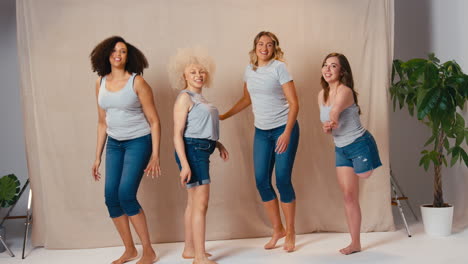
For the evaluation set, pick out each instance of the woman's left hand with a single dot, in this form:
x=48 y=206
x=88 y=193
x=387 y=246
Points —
x=282 y=143
x=153 y=168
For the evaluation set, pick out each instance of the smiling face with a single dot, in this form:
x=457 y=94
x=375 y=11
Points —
x=331 y=70
x=195 y=76
x=118 y=57
x=264 y=49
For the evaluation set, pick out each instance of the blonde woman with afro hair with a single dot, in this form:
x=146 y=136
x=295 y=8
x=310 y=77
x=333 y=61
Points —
x=196 y=134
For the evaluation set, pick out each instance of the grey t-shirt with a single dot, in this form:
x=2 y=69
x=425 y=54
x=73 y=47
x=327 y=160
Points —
x=269 y=103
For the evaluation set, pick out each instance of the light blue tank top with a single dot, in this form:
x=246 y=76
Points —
x=349 y=124
x=124 y=115
x=203 y=118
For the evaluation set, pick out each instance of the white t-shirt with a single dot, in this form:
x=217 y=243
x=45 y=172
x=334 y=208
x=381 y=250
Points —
x=269 y=103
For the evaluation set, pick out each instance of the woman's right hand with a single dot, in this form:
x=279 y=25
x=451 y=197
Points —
x=327 y=127
x=222 y=117
x=185 y=175
x=95 y=170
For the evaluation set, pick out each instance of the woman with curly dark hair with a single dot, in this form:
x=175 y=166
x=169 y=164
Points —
x=129 y=122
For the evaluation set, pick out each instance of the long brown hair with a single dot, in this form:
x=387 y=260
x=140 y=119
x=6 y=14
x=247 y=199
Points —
x=346 y=77
x=277 y=52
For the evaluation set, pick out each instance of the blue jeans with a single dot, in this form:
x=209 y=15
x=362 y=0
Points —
x=362 y=154
x=125 y=164
x=198 y=153
x=265 y=158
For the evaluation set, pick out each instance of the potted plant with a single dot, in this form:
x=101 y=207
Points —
x=435 y=91
x=9 y=194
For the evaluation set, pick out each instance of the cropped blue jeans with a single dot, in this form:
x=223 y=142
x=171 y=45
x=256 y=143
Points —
x=265 y=159
x=125 y=164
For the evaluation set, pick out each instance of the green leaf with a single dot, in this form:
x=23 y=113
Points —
x=431 y=75
x=9 y=190
x=428 y=102
x=396 y=68
x=464 y=156
x=424 y=161
x=459 y=129
x=455 y=155
x=446 y=144
x=430 y=140
x=432 y=57
x=444 y=160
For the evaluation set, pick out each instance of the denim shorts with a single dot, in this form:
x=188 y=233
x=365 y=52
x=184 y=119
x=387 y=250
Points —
x=362 y=154
x=198 y=153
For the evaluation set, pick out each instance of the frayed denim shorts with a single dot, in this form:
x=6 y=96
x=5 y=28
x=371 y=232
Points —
x=198 y=152
x=362 y=154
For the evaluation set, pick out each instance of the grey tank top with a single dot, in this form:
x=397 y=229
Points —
x=124 y=115
x=349 y=124
x=203 y=118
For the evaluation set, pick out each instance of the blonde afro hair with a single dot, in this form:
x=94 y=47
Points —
x=185 y=57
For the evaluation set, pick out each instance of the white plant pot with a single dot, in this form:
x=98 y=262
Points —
x=437 y=220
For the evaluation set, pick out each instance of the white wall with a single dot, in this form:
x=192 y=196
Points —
x=12 y=149
x=422 y=27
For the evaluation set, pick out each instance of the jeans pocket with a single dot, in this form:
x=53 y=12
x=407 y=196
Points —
x=202 y=146
x=358 y=148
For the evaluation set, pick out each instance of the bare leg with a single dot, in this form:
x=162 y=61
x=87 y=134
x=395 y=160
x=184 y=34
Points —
x=189 y=250
x=122 y=225
x=139 y=223
x=289 y=211
x=349 y=184
x=273 y=213
x=201 y=195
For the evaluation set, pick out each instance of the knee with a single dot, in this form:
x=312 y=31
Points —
x=286 y=191
x=350 y=197
x=129 y=205
x=200 y=206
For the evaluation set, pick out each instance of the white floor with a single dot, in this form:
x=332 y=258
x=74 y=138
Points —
x=386 y=247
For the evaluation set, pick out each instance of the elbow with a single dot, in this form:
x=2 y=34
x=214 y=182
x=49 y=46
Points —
x=294 y=107
x=334 y=116
x=155 y=125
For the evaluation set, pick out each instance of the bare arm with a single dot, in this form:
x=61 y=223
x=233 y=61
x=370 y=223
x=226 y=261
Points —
x=239 y=106
x=101 y=135
x=344 y=99
x=181 y=109
x=145 y=95
x=290 y=92
x=326 y=125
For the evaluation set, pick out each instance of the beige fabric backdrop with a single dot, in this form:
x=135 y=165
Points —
x=55 y=39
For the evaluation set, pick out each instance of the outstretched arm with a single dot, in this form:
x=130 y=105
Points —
x=239 y=106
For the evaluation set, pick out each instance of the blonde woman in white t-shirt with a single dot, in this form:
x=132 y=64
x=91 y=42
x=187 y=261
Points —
x=271 y=91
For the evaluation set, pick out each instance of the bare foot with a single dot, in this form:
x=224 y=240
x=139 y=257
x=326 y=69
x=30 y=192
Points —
x=350 y=249
x=188 y=255
x=128 y=255
x=290 y=242
x=276 y=236
x=204 y=261
x=148 y=258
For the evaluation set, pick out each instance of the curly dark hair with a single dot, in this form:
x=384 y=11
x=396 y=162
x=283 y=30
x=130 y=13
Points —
x=136 y=61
